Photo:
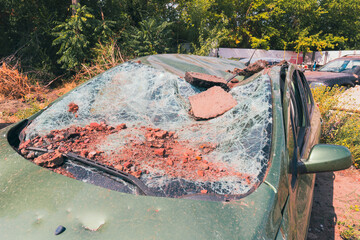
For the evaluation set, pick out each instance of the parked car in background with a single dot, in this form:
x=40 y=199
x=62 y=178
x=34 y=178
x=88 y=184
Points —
x=253 y=170
x=342 y=71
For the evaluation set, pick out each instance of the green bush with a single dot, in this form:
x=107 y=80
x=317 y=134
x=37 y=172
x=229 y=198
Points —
x=339 y=126
x=151 y=37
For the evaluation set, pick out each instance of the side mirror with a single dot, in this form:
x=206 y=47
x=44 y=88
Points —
x=326 y=158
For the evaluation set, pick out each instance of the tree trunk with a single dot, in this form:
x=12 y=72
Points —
x=74 y=2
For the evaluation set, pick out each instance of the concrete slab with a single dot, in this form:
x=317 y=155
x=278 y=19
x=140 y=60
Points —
x=211 y=103
x=205 y=80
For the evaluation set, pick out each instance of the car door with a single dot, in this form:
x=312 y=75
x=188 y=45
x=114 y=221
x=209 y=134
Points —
x=302 y=132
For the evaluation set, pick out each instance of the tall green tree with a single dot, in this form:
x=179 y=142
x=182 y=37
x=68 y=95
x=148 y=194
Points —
x=278 y=24
x=25 y=32
x=73 y=36
x=205 y=24
x=342 y=19
x=137 y=27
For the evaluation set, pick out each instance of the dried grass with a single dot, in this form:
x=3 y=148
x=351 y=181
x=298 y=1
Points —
x=13 y=84
x=66 y=87
x=106 y=56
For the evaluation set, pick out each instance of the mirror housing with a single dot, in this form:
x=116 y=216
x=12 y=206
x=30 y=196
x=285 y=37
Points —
x=326 y=158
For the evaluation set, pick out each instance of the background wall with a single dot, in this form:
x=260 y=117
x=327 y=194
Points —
x=320 y=57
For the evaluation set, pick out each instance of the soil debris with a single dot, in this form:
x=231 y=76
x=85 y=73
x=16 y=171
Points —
x=159 y=153
x=211 y=103
x=73 y=108
x=120 y=126
x=251 y=69
x=64 y=172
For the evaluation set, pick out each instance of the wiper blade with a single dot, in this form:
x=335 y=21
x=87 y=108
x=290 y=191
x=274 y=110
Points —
x=37 y=149
x=102 y=167
x=110 y=170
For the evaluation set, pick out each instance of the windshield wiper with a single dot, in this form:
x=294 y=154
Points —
x=110 y=170
x=103 y=168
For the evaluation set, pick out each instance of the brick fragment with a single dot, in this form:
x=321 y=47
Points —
x=161 y=134
x=94 y=125
x=73 y=108
x=127 y=165
x=200 y=173
x=91 y=154
x=121 y=126
x=119 y=167
x=50 y=160
x=159 y=151
x=24 y=144
x=211 y=103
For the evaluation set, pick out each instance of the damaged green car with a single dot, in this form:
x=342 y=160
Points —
x=123 y=157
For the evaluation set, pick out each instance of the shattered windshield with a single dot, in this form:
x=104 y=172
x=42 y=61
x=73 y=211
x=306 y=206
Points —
x=138 y=119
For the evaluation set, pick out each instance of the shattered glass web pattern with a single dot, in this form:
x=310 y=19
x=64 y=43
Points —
x=140 y=95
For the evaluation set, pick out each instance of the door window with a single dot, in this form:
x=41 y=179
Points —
x=299 y=122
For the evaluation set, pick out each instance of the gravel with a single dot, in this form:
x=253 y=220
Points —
x=350 y=99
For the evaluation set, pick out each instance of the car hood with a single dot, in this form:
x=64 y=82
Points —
x=35 y=201
x=317 y=76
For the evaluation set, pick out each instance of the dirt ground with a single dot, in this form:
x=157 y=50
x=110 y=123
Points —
x=336 y=203
x=8 y=108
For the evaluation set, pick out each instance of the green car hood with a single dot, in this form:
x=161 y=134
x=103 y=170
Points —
x=35 y=201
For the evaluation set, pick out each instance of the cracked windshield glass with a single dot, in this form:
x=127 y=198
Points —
x=153 y=125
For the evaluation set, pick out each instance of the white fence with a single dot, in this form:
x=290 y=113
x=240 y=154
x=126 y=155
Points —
x=326 y=56
x=320 y=57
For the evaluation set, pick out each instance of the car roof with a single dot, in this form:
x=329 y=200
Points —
x=356 y=56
